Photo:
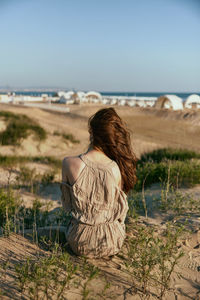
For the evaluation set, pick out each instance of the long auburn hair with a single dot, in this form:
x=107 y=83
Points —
x=110 y=135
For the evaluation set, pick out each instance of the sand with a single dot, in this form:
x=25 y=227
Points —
x=151 y=129
x=185 y=280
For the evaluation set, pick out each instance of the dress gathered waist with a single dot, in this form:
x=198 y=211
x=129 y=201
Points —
x=77 y=222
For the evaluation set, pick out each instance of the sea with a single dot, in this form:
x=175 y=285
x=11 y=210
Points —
x=125 y=94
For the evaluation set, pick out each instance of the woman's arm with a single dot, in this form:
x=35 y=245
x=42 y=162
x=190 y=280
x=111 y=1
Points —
x=65 y=189
x=65 y=169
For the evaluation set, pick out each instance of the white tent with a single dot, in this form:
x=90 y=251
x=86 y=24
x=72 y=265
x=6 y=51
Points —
x=113 y=101
x=93 y=96
x=150 y=103
x=64 y=100
x=141 y=103
x=61 y=93
x=105 y=101
x=131 y=103
x=169 y=102
x=122 y=102
x=193 y=101
x=66 y=97
x=80 y=97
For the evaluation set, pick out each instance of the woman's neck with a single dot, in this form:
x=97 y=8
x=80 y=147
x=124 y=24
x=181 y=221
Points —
x=96 y=152
x=94 y=149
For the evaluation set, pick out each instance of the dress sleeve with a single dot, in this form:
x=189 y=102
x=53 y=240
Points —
x=66 y=197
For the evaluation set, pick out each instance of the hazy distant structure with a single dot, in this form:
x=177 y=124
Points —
x=93 y=97
x=193 y=101
x=15 y=99
x=131 y=103
x=105 y=101
x=5 y=98
x=121 y=102
x=66 y=97
x=62 y=93
x=141 y=103
x=172 y=102
x=44 y=97
x=113 y=101
x=150 y=102
x=80 y=98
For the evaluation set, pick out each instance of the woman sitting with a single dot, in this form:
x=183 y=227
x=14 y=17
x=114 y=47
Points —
x=95 y=186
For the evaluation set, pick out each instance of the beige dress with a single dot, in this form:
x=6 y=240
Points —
x=98 y=208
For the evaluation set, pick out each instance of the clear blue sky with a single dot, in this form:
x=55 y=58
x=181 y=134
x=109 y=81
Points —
x=105 y=45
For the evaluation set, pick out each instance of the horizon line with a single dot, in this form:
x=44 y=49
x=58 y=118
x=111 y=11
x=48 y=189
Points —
x=51 y=89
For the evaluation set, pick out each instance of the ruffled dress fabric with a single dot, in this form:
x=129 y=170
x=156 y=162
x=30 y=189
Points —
x=98 y=208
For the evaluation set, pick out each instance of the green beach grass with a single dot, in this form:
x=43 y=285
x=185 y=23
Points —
x=18 y=127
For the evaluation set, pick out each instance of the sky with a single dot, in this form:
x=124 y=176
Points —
x=103 y=45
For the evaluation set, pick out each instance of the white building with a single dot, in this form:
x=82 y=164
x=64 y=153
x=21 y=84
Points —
x=105 y=101
x=72 y=97
x=61 y=93
x=141 y=101
x=122 y=102
x=113 y=101
x=193 y=101
x=131 y=103
x=66 y=97
x=80 y=97
x=169 y=102
x=63 y=100
x=5 y=98
x=93 y=97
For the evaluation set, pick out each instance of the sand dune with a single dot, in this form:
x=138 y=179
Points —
x=151 y=129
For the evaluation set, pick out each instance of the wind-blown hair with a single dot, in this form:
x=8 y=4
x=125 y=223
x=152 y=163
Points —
x=110 y=135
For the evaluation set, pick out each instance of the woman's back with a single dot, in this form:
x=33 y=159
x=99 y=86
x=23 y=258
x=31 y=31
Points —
x=91 y=191
x=73 y=166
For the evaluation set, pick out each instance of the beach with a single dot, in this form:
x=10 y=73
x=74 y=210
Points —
x=150 y=129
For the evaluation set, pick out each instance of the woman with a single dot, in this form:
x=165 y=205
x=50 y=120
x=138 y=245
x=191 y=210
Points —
x=95 y=186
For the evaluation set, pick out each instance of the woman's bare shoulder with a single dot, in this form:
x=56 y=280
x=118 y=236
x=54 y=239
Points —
x=70 y=166
x=71 y=160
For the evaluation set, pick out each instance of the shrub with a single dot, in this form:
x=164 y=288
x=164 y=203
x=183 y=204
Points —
x=48 y=177
x=9 y=208
x=71 y=138
x=178 y=203
x=56 y=133
x=135 y=204
x=14 y=216
x=19 y=127
x=28 y=178
x=35 y=216
x=182 y=173
x=168 y=154
x=12 y=160
x=56 y=275
x=46 y=277
x=9 y=115
x=150 y=259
